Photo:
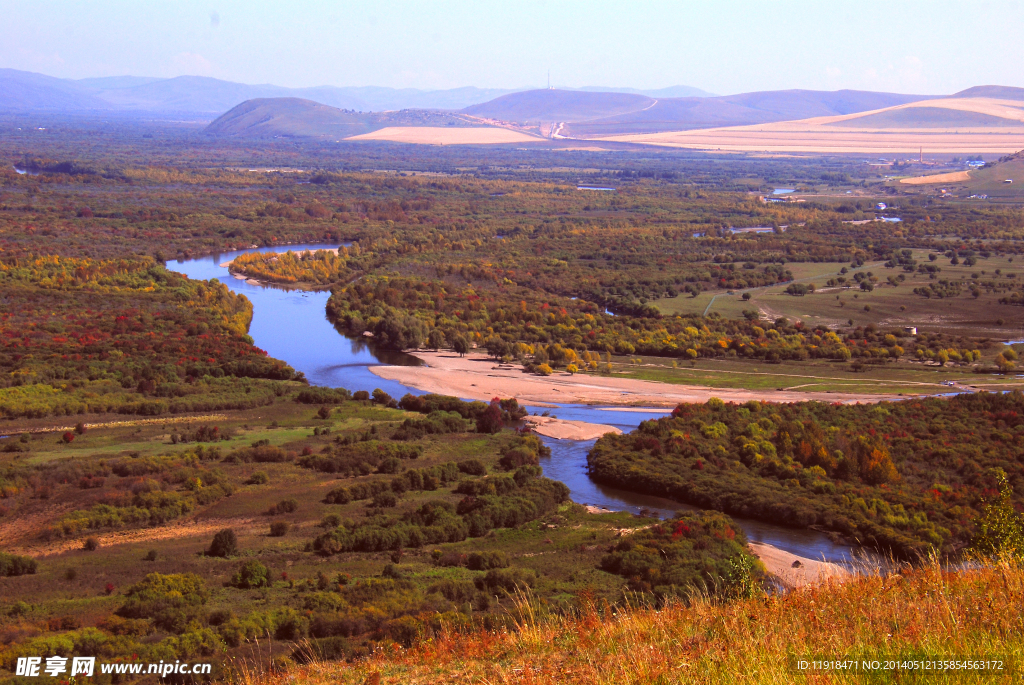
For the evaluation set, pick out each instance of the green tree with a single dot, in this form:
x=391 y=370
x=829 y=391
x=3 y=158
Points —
x=224 y=544
x=1000 y=528
x=251 y=574
x=436 y=339
x=460 y=345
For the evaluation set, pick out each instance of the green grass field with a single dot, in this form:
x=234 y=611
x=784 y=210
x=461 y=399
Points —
x=905 y=377
x=887 y=306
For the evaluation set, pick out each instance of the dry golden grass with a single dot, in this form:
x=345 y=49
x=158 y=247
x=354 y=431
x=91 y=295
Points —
x=951 y=177
x=818 y=139
x=919 y=613
x=440 y=135
x=1005 y=109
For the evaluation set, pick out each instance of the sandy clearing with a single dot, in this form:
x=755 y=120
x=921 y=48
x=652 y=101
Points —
x=480 y=378
x=447 y=135
x=951 y=177
x=564 y=429
x=780 y=564
x=181 y=529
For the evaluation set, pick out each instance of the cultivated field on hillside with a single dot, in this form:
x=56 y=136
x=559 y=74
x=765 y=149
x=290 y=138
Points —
x=436 y=135
x=951 y=177
x=937 y=126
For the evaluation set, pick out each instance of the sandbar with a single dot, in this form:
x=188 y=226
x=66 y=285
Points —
x=564 y=429
x=479 y=377
x=779 y=563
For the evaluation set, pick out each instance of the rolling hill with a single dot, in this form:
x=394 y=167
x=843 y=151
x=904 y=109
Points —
x=992 y=179
x=681 y=114
x=299 y=118
x=289 y=118
x=997 y=92
x=589 y=114
x=536 y=106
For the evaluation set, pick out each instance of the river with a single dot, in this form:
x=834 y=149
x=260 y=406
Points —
x=291 y=325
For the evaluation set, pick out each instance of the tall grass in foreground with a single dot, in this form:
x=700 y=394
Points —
x=926 y=611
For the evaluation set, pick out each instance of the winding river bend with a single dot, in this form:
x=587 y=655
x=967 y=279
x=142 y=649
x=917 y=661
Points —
x=292 y=325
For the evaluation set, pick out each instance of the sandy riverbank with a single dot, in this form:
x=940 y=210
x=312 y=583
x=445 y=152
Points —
x=478 y=377
x=563 y=429
x=780 y=564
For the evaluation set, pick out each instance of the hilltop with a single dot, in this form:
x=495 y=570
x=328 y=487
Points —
x=559 y=105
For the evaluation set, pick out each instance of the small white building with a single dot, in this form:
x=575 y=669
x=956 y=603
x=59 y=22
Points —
x=880 y=206
x=910 y=330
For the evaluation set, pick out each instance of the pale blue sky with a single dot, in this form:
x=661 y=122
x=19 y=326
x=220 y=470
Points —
x=725 y=47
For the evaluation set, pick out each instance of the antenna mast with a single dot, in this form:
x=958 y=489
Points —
x=549 y=79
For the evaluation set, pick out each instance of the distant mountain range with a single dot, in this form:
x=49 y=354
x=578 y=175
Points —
x=23 y=91
x=984 y=118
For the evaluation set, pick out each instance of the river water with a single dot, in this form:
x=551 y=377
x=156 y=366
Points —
x=292 y=325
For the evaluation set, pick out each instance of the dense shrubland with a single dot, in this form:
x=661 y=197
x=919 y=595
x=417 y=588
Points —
x=691 y=555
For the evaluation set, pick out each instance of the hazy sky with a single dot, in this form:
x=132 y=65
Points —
x=931 y=46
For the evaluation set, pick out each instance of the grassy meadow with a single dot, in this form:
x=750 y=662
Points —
x=915 y=614
x=906 y=377
x=888 y=306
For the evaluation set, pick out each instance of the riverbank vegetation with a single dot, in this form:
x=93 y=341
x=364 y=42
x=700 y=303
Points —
x=515 y=322
x=907 y=478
